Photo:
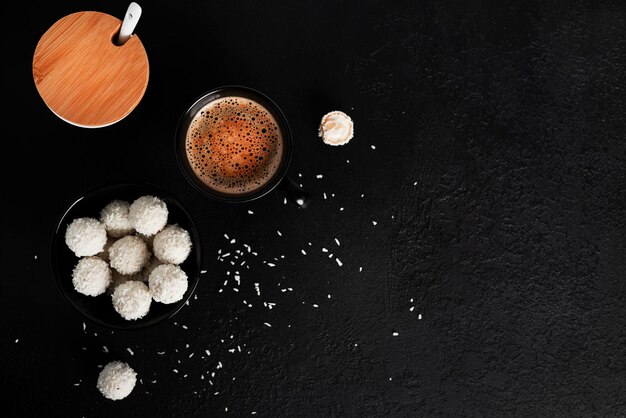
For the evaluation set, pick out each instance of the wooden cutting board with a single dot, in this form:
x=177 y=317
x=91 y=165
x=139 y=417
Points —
x=83 y=76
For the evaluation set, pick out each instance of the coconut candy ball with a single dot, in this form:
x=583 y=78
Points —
x=168 y=283
x=172 y=244
x=336 y=128
x=114 y=216
x=132 y=299
x=148 y=215
x=85 y=236
x=91 y=276
x=116 y=380
x=129 y=254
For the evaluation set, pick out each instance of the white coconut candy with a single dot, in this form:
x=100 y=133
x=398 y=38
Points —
x=172 y=244
x=148 y=215
x=132 y=300
x=116 y=380
x=168 y=283
x=336 y=128
x=128 y=255
x=85 y=236
x=91 y=276
x=114 y=216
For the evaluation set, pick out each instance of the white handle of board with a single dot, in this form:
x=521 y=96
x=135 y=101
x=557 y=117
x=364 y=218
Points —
x=130 y=21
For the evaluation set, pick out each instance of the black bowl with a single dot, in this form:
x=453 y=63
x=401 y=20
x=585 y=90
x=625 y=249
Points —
x=99 y=309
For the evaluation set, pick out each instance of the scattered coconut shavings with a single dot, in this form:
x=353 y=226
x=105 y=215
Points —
x=374 y=223
x=271 y=264
x=160 y=353
x=319 y=176
x=175 y=370
x=373 y=147
x=337 y=241
x=232 y=241
x=250 y=212
x=279 y=234
x=105 y=349
x=184 y=327
x=328 y=296
x=35 y=256
x=324 y=195
x=315 y=305
x=284 y=201
x=267 y=324
x=411 y=308
x=258 y=289
x=360 y=269
x=340 y=209
x=17 y=340
x=415 y=184
x=226 y=236
x=339 y=262
x=363 y=195
x=419 y=316
x=395 y=334
x=130 y=351
x=84 y=326
x=303 y=252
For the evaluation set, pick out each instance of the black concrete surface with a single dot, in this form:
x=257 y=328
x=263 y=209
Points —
x=489 y=149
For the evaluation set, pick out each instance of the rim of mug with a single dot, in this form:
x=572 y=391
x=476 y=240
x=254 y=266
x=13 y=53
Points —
x=203 y=100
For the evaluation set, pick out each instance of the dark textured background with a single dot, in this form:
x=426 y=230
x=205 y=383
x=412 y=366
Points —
x=497 y=185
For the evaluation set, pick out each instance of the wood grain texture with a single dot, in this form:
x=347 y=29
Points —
x=83 y=77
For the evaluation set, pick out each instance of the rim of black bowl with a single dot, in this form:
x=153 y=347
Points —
x=166 y=311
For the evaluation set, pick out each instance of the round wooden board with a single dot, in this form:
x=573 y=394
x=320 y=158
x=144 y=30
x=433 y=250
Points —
x=83 y=76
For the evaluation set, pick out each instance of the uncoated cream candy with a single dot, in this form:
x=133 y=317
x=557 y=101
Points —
x=336 y=128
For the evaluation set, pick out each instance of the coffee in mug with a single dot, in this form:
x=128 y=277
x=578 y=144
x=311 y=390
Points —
x=234 y=145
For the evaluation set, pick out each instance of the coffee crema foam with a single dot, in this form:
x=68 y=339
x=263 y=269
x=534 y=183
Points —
x=234 y=145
